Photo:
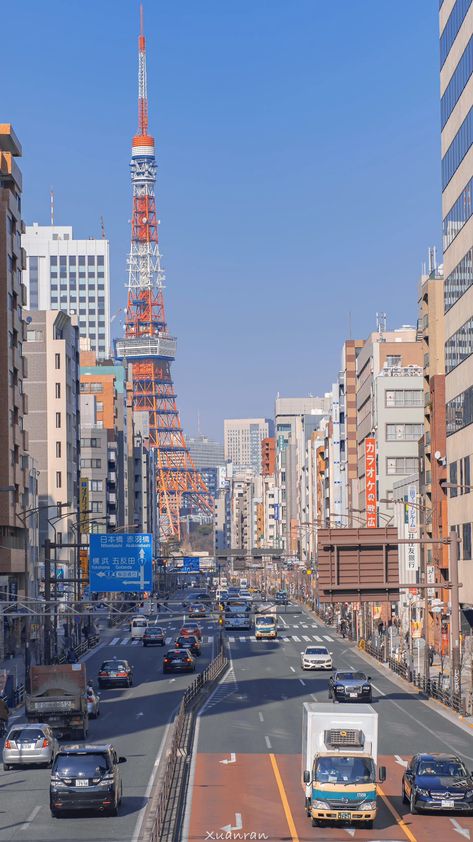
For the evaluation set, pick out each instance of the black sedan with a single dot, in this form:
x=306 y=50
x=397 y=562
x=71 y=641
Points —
x=437 y=782
x=114 y=673
x=190 y=642
x=153 y=636
x=178 y=660
x=350 y=687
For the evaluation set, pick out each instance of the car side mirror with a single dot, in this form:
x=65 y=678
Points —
x=122 y=759
x=369 y=678
x=306 y=777
x=382 y=774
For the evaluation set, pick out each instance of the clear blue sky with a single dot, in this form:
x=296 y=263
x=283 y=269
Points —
x=299 y=170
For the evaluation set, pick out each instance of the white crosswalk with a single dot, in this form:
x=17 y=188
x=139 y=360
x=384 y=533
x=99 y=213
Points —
x=287 y=636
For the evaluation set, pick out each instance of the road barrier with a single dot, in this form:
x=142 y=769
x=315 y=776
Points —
x=171 y=779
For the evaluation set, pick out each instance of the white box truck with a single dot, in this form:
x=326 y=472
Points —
x=340 y=763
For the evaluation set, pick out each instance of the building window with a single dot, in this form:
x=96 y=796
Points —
x=58 y=450
x=53 y=260
x=91 y=463
x=99 y=406
x=58 y=420
x=58 y=390
x=403 y=465
x=457 y=83
x=453 y=478
x=58 y=479
x=458 y=215
x=96 y=485
x=90 y=260
x=460 y=346
x=466 y=538
x=90 y=442
x=404 y=397
x=96 y=506
x=460 y=411
x=452 y=27
x=100 y=260
x=404 y=432
x=457 y=150
x=57 y=361
x=393 y=361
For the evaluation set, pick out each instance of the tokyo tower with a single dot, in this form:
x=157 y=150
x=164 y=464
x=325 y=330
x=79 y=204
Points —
x=147 y=345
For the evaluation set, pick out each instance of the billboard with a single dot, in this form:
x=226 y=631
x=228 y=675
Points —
x=370 y=483
x=84 y=505
x=191 y=564
x=359 y=565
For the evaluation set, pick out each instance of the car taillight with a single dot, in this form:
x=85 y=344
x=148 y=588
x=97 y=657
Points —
x=121 y=674
x=103 y=673
x=7 y=744
x=45 y=743
x=167 y=660
x=189 y=660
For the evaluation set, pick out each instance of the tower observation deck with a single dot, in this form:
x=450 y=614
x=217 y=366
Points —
x=147 y=345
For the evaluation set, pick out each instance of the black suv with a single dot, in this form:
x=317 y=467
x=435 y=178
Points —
x=347 y=686
x=437 y=782
x=86 y=778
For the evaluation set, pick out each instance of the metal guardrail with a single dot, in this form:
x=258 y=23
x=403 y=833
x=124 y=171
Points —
x=176 y=750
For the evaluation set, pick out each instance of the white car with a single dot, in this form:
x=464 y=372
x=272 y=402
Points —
x=93 y=703
x=316 y=658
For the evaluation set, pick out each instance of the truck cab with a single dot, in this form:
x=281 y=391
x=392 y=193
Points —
x=266 y=627
x=340 y=764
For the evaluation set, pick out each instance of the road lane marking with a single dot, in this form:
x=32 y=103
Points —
x=306 y=637
x=319 y=639
x=459 y=829
x=292 y=668
x=282 y=620
x=135 y=642
x=268 y=742
x=284 y=800
x=378 y=690
x=241 y=639
x=30 y=818
x=168 y=641
x=326 y=637
x=209 y=639
x=396 y=815
x=114 y=641
x=260 y=716
x=286 y=639
x=297 y=639
x=125 y=641
x=302 y=681
x=231 y=639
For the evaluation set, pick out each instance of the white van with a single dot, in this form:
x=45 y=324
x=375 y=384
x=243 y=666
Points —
x=138 y=627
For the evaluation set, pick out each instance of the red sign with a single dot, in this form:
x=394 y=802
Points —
x=370 y=483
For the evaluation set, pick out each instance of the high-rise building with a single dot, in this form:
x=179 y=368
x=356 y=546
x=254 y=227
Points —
x=52 y=387
x=268 y=456
x=14 y=475
x=63 y=273
x=205 y=452
x=348 y=448
x=242 y=440
x=456 y=106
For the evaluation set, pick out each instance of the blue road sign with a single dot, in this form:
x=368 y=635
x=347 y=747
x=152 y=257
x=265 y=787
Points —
x=120 y=562
x=191 y=564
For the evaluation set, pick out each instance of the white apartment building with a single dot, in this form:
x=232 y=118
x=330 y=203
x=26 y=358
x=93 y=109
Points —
x=52 y=386
x=242 y=441
x=63 y=273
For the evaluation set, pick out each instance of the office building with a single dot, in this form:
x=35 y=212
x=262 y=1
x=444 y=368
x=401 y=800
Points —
x=52 y=387
x=63 y=273
x=390 y=410
x=242 y=440
x=348 y=447
x=205 y=452
x=14 y=474
x=268 y=456
x=456 y=106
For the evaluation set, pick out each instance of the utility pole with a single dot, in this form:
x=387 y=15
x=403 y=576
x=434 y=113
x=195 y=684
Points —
x=455 y=685
x=47 y=598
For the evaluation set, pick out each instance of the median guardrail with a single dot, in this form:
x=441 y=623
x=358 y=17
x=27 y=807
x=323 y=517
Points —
x=171 y=776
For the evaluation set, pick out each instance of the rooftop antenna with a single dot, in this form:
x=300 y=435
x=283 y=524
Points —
x=102 y=227
x=381 y=325
x=432 y=259
x=51 y=204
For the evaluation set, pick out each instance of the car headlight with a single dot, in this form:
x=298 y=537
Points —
x=368 y=805
x=366 y=687
x=469 y=794
x=338 y=687
x=320 y=805
x=420 y=791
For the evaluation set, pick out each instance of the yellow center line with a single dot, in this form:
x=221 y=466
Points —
x=396 y=815
x=284 y=801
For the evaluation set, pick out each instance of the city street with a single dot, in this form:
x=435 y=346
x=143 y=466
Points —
x=133 y=719
x=246 y=774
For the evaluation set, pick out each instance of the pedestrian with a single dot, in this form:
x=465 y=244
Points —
x=431 y=656
x=3 y=714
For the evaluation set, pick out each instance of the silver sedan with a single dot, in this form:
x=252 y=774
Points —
x=316 y=658
x=29 y=744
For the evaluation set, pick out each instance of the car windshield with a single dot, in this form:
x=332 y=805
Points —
x=154 y=630
x=138 y=624
x=316 y=650
x=83 y=765
x=26 y=735
x=265 y=621
x=442 y=768
x=347 y=770
x=187 y=639
x=176 y=654
x=351 y=676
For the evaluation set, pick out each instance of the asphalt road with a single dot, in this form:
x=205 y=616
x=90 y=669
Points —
x=246 y=771
x=133 y=719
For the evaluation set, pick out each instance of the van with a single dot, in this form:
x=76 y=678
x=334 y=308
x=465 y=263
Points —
x=138 y=627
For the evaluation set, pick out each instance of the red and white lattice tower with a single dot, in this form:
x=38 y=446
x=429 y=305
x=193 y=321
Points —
x=147 y=344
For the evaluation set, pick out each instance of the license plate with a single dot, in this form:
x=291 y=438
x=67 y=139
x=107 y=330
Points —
x=353 y=695
x=447 y=804
x=176 y=662
x=82 y=782
x=26 y=746
x=345 y=816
